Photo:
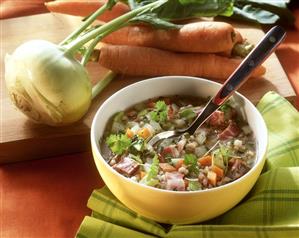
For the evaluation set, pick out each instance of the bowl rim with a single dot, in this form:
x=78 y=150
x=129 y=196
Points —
x=95 y=148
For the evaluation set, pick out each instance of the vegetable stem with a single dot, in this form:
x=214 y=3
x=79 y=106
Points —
x=93 y=44
x=88 y=21
x=111 y=26
x=99 y=86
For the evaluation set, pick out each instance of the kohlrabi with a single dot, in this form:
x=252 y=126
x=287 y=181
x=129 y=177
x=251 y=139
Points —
x=48 y=84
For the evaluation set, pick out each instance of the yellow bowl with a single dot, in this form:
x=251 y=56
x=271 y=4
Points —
x=172 y=206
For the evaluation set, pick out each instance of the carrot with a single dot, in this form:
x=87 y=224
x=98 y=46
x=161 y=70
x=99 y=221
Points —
x=84 y=8
x=167 y=167
x=206 y=37
x=129 y=133
x=205 y=160
x=179 y=164
x=218 y=171
x=143 y=61
x=144 y=132
x=212 y=177
x=142 y=174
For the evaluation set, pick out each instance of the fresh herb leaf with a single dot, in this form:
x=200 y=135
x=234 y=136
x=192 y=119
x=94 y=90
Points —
x=191 y=161
x=118 y=143
x=150 y=178
x=159 y=114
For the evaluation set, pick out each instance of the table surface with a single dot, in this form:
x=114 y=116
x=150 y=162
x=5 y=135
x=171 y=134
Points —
x=47 y=198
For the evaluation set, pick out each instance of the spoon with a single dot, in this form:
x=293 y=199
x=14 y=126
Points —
x=256 y=57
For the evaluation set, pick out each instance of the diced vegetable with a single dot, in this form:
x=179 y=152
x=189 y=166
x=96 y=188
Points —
x=219 y=171
x=193 y=185
x=205 y=160
x=188 y=114
x=212 y=178
x=144 y=133
x=167 y=167
x=138 y=144
x=151 y=177
x=129 y=133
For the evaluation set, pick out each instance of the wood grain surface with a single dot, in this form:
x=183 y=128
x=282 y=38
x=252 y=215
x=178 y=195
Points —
x=21 y=139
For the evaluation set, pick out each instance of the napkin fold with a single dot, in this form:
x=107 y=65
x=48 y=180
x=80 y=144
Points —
x=271 y=209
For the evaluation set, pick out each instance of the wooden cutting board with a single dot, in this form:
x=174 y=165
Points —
x=20 y=139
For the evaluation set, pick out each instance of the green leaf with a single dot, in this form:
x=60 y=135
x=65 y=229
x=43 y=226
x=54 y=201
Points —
x=191 y=161
x=150 y=178
x=186 y=9
x=181 y=9
x=155 y=21
x=194 y=185
x=263 y=11
x=159 y=114
x=118 y=143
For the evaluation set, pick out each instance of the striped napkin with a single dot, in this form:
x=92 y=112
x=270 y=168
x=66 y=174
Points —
x=271 y=209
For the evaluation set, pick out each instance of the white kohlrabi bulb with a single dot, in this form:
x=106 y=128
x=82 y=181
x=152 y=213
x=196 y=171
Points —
x=47 y=85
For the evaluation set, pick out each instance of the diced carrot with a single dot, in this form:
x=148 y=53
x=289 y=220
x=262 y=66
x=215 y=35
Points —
x=144 y=132
x=129 y=133
x=212 y=178
x=205 y=160
x=218 y=171
x=179 y=164
x=142 y=174
x=167 y=167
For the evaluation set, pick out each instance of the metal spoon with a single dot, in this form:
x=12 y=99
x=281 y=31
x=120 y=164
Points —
x=261 y=52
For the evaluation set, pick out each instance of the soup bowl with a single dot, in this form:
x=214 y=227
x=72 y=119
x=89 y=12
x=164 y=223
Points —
x=175 y=207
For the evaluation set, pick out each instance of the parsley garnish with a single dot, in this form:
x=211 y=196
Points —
x=118 y=143
x=159 y=114
x=191 y=161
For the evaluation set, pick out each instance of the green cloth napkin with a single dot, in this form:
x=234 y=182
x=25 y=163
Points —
x=271 y=209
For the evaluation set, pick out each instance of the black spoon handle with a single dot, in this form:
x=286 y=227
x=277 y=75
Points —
x=256 y=57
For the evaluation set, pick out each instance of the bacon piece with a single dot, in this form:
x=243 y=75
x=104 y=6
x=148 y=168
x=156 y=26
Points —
x=175 y=181
x=232 y=130
x=217 y=119
x=237 y=168
x=126 y=166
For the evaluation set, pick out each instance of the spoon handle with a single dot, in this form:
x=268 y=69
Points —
x=255 y=58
